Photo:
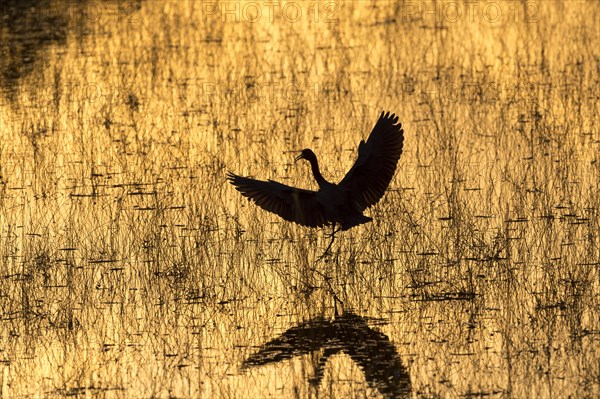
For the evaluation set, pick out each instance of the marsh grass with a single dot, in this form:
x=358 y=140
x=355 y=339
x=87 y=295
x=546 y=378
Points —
x=130 y=268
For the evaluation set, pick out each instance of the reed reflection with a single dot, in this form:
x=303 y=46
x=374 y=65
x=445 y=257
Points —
x=349 y=333
x=30 y=27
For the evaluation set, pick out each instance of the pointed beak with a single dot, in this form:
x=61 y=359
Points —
x=299 y=157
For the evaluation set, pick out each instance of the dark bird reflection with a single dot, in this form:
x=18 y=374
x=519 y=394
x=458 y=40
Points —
x=371 y=350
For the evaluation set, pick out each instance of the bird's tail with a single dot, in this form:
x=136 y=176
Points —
x=355 y=221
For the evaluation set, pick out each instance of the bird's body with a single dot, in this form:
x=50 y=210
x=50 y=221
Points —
x=339 y=205
x=342 y=203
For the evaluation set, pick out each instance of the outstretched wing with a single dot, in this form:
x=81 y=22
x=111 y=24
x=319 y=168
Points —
x=374 y=168
x=304 y=338
x=292 y=204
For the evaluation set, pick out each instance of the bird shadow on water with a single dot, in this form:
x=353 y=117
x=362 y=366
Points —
x=350 y=334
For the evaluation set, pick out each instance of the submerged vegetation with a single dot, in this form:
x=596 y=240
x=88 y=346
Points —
x=130 y=268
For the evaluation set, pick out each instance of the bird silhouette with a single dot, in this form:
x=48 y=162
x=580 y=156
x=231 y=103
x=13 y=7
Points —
x=342 y=203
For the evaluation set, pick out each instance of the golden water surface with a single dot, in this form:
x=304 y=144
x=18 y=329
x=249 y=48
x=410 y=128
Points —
x=130 y=268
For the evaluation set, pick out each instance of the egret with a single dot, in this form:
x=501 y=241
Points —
x=342 y=203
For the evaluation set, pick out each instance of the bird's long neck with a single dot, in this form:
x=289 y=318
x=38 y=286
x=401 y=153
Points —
x=314 y=165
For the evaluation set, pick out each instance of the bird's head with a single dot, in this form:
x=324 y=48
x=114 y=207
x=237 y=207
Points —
x=306 y=154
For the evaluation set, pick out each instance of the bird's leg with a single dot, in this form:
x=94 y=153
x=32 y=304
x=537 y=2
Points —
x=329 y=288
x=333 y=231
x=337 y=300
